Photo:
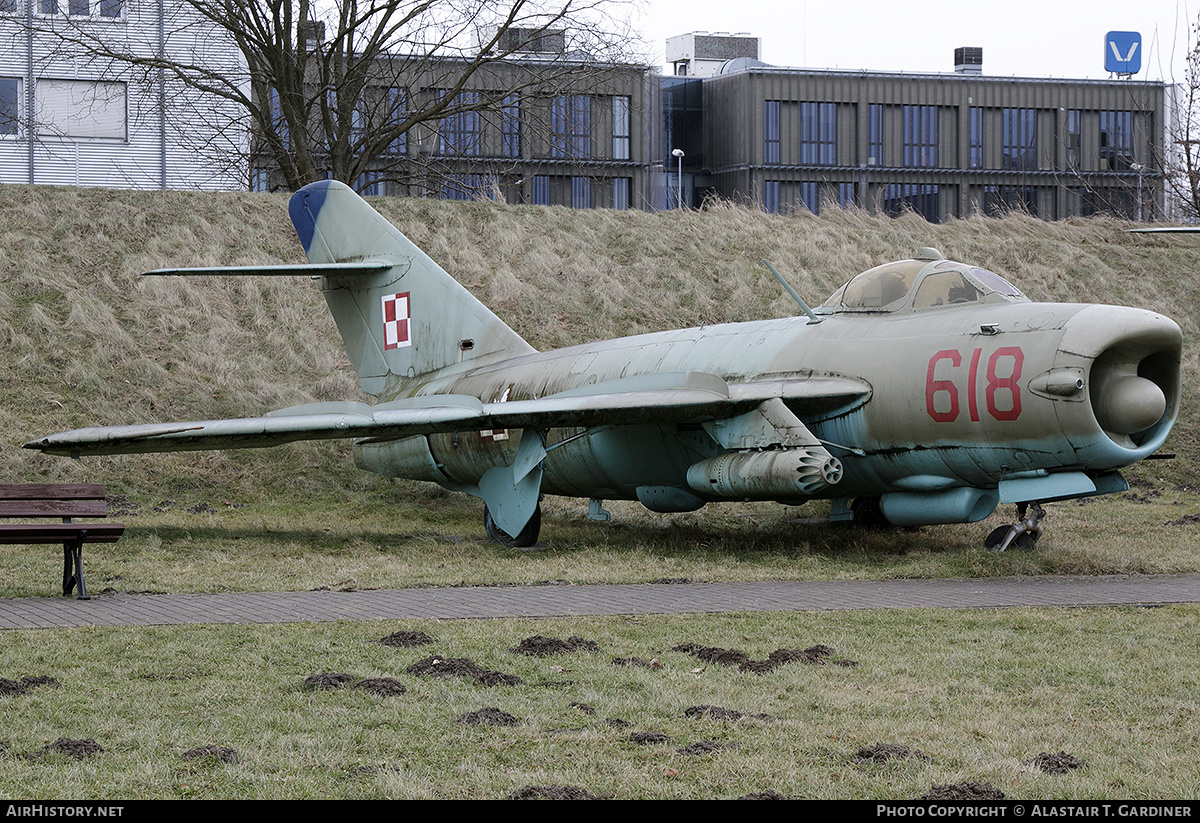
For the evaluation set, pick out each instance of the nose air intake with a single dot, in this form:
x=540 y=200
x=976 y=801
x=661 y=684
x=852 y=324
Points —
x=1135 y=386
x=1128 y=404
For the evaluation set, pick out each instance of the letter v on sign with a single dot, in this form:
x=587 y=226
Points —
x=1123 y=52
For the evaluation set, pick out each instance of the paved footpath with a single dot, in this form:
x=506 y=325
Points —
x=567 y=601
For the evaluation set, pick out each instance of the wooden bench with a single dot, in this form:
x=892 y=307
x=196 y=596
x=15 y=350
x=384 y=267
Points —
x=64 y=500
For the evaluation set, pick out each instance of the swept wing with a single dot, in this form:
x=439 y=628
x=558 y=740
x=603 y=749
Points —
x=651 y=399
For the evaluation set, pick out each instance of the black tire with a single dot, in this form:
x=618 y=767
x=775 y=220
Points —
x=868 y=514
x=527 y=537
x=1024 y=542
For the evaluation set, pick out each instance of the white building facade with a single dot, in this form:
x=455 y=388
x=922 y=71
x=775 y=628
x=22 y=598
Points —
x=71 y=116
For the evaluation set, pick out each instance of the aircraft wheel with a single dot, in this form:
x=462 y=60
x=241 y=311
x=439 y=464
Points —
x=525 y=538
x=1024 y=542
x=867 y=513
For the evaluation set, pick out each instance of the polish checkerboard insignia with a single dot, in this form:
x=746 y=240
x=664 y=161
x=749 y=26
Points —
x=396 y=317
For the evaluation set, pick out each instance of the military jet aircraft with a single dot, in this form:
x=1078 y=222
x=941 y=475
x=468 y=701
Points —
x=922 y=391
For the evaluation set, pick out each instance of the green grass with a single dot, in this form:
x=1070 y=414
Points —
x=981 y=693
x=399 y=534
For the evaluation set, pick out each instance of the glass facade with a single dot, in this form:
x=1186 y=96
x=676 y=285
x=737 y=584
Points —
x=920 y=130
x=875 y=134
x=818 y=134
x=571 y=126
x=1116 y=140
x=975 y=140
x=620 y=128
x=1019 y=139
x=771 y=132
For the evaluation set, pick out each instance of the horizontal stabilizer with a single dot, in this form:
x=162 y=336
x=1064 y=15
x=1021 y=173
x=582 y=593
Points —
x=361 y=267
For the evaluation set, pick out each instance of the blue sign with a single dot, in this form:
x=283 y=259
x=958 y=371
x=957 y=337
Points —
x=1123 y=52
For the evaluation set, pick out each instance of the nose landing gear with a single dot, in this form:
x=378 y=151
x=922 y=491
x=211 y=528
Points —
x=1022 y=535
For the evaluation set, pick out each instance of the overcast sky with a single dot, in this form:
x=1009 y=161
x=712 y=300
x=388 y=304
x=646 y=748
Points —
x=1024 y=38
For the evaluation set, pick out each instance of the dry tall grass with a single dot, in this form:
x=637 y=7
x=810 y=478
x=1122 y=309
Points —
x=90 y=342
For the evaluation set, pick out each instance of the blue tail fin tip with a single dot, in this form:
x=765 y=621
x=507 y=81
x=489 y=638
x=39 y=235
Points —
x=304 y=207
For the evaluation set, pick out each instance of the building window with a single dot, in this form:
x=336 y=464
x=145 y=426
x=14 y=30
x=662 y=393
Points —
x=81 y=109
x=771 y=196
x=919 y=198
x=818 y=134
x=459 y=132
x=810 y=194
x=1116 y=140
x=975 y=141
x=470 y=187
x=369 y=184
x=260 y=179
x=771 y=139
x=10 y=105
x=279 y=124
x=846 y=195
x=541 y=190
x=1019 y=139
x=581 y=192
x=510 y=126
x=875 y=134
x=571 y=126
x=110 y=9
x=1000 y=200
x=620 y=192
x=920 y=124
x=1074 y=139
x=620 y=128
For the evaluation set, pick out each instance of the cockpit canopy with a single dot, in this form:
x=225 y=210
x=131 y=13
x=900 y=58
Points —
x=925 y=282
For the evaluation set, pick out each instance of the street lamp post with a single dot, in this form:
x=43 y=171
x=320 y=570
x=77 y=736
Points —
x=678 y=155
x=1139 y=168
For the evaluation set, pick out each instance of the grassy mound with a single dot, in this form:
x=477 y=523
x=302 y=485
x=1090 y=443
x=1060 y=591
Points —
x=91 y=342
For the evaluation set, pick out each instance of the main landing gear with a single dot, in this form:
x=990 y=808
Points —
x=1022 y=535
x=524 y=539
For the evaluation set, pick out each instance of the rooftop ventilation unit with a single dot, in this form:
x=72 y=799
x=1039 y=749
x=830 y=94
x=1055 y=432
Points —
x=968 y=60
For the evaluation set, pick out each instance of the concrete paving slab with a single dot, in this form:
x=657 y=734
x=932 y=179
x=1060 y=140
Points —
x=484 y=602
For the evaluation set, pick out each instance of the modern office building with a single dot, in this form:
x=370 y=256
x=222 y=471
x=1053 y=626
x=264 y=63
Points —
x=942 y=145
x=69 y=117
x=544 y=127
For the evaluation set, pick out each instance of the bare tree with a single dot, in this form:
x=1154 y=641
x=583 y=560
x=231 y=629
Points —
x=1181 y=165
x=337 y=89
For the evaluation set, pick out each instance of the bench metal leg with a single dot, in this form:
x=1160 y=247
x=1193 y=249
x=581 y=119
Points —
x=73 y=569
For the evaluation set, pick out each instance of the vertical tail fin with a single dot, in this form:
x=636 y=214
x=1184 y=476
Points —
x=404 y=317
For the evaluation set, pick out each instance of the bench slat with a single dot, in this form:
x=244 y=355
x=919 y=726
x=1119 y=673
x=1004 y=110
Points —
x=51 y=491
x=53 y=508
x=21 y=533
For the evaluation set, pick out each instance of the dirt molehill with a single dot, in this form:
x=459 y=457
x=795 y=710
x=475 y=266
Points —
x=1060 y=763
x=328 y=680
x=490 y=716
x=648 y=738
x=816 y=655
x=769 y=794
x=538 y=646
x=883 y=752
x=968 y=790
x=553 y=793
x=406 y=640
x=12 y=688
x=77 y=749
x=223 y=754
x=462 y=667
x=382 y=686
x=720 y=713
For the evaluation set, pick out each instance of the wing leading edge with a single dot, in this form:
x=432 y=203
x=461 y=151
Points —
x=652 y=399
